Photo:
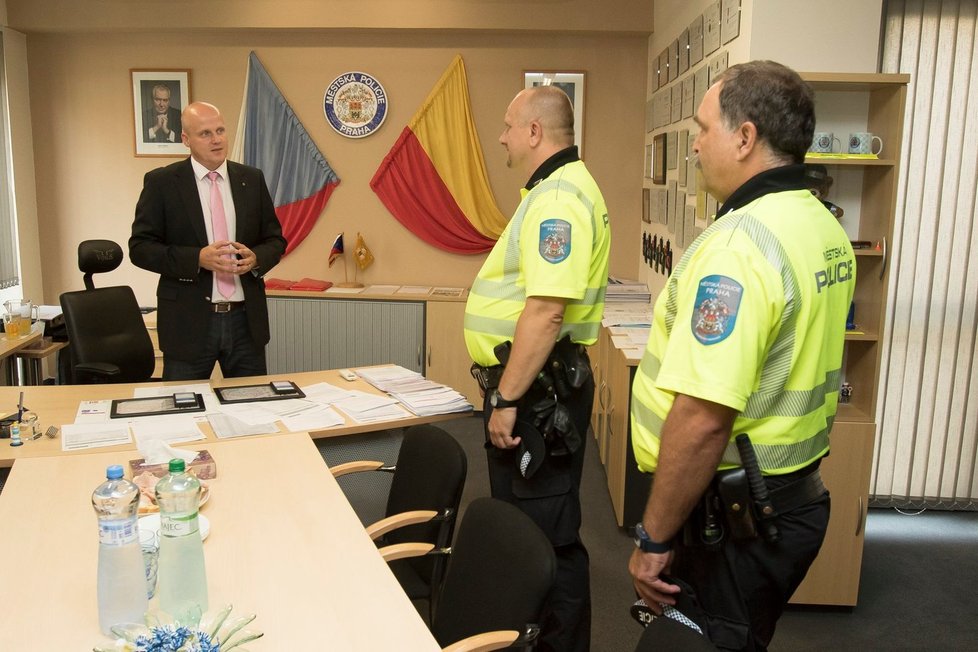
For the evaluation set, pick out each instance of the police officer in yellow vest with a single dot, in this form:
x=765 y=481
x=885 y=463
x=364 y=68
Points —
x=537 y=299
x=747 y=338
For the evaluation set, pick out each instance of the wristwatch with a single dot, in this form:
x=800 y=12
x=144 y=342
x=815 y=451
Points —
x=646 y=544
x=497 y=401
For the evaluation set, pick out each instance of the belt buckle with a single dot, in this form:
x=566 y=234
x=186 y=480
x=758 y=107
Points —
x=222 y=307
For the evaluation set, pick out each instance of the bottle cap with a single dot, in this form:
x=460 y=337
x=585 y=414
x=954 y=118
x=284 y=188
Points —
x=114 y=472
x=177 y=465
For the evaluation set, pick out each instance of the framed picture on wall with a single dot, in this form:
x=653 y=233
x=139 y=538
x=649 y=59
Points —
x=158 y=97
x=572 y=83
x=659 y=159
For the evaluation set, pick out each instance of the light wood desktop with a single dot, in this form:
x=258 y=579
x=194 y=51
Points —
x=58 y=404
x=284 y=544
x=11 y=346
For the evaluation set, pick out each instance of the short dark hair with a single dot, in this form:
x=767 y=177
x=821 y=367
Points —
x=776 y=99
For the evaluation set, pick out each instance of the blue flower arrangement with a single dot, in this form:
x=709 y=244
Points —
x=187 y=633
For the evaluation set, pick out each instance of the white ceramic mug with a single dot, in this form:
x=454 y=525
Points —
x=861 y=142
x=822 y=143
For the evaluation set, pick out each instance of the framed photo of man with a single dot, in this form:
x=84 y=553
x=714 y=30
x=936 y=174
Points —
x=158 y=98
x=572 y=83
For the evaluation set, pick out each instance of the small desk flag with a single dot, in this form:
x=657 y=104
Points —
x=362 y=254
x=336 y=250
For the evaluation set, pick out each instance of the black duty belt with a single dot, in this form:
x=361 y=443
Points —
x=227 y=306
x=802 y=491
x=487 y=377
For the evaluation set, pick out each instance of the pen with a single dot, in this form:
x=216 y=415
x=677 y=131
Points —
x=20 y=407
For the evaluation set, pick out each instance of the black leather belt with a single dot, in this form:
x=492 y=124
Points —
x=487 y=377
x=802 y=491
x=227 y=306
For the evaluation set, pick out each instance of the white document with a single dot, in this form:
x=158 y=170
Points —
x=81 y=436
x=226 y=426
x=314 y=420
x=414 y=289
x=93 y=411
x=171 y=429
x=326 y=393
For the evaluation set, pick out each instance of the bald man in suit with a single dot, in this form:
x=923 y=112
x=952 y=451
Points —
x=208 y=227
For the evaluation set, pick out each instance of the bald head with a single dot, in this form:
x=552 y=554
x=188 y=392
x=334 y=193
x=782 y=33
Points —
x=551 y=107
x=204 y=134
x=539 y=123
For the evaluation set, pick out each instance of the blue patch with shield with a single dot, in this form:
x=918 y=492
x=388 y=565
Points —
x=715 y=311
x=555 y=240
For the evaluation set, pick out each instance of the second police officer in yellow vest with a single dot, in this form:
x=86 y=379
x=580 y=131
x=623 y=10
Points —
x=747 y=337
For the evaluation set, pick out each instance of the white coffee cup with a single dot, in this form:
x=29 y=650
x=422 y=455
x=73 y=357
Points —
x=861 y=142
x=822 y=143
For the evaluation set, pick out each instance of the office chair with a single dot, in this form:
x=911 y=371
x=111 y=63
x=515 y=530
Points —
x=426 y=488
x=500 y=569
x=108 y=340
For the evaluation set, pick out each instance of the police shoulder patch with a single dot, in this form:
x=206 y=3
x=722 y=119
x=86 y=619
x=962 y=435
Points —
x=555 y=240
x=715 y=311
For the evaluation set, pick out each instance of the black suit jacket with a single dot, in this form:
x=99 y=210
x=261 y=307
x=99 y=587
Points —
x=172 y=123
x=168 y=234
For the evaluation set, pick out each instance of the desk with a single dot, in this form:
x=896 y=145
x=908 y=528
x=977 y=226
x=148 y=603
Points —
x=296 y=555
x=58 y=404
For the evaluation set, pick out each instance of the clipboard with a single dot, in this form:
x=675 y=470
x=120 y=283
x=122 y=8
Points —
x=263 y=392
x=125 y=408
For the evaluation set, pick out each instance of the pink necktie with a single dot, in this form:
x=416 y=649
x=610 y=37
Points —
x=219 y=225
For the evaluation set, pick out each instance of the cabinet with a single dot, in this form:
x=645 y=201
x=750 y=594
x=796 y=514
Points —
x=310 y=332
x=866 y=189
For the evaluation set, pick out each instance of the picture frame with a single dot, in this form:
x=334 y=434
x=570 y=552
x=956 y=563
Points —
x=572 y=83
x=153 y=89
x=659 y=159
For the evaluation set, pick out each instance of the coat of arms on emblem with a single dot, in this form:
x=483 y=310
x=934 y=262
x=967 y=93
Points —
x=355 y=104
x=555 y=240
x=715 y=313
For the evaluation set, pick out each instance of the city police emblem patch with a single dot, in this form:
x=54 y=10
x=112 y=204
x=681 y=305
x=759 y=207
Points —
x=555 y=240
x=715 y=312
x=355 y=104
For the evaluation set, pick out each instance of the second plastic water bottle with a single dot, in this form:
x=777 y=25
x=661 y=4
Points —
x=121 y=576
x=182 y=578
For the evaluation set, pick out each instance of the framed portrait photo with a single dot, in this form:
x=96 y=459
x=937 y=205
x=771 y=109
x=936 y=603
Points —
x=572 y=83
x=158 y=98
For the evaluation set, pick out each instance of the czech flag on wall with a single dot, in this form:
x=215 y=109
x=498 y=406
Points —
x=434 y=178
x=271 y=138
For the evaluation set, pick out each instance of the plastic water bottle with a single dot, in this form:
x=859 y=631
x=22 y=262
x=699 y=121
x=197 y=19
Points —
x=182 y=578
x=121 y=574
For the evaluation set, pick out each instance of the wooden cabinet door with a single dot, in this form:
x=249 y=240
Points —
x=446 y=358
x=833 y=578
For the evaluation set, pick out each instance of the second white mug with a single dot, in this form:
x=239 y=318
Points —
x=861 y=142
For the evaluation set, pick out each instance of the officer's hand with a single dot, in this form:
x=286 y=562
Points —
x=501 y=424
x=219 y=257
x=645 y=568
x=246 y=258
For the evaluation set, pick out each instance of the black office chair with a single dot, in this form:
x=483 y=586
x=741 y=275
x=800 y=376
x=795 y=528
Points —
x=426 y=488
x=500 y=569
x=108 y=340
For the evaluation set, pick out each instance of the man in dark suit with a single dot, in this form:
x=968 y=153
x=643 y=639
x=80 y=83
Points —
x=161 y=122
x=207 y=226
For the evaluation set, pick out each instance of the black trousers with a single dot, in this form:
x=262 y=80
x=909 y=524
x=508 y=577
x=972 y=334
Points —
x=552 y=499
x=743 y=586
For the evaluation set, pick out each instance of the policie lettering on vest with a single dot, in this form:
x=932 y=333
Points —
x=837 y=271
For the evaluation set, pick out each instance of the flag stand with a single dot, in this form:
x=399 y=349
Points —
x=346 y=277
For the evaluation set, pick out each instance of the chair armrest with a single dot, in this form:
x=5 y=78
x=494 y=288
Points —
x=485 y=642
x=385 y=525
x=404 y=550
x=354 y=467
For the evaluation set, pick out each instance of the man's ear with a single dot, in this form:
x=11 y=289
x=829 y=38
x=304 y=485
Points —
x=747 y=135
x=536 y=133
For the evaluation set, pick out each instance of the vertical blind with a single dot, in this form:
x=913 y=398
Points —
x=8 y=233
x=928 y=416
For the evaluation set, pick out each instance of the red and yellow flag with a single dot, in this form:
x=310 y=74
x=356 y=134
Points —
x=434 y=178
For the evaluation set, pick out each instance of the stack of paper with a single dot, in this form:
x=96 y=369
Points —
x=417 y=393
x=620 y=289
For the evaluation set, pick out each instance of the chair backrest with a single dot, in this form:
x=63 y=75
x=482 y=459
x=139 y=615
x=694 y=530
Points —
x=105 y=325
x=430 y=475
x=501 y=569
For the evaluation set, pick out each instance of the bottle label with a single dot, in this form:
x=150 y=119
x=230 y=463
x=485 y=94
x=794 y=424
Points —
x=117 y=532
x=178 y=525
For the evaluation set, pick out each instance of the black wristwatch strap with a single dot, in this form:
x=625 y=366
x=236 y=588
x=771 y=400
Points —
x=497 y=401
x=646 y=544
